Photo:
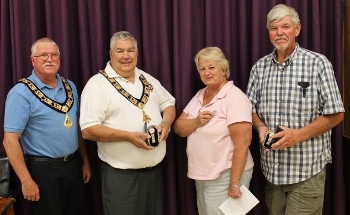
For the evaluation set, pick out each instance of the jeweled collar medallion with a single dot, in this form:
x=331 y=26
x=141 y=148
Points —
x=60 y=107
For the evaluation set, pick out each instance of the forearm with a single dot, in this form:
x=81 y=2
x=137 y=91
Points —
x=84 y=156
x=82 y=148
x=15 y=154
x=239 y=159
x=169 y=114
x=241 y=134
x=257 y=122
x=185 y=127
x=320 y=125
x=101 y=133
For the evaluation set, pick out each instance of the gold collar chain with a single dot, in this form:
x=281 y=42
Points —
x=140 y=103
x=60 y=107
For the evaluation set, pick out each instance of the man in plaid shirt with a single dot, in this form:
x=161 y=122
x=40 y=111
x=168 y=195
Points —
x=295 y=89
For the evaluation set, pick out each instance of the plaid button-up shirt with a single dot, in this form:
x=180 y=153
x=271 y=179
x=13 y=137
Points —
x=293 y=94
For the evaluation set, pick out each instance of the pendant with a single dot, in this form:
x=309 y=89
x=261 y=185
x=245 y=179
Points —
x=146 y=118
x=67 y=122
x=64 y=108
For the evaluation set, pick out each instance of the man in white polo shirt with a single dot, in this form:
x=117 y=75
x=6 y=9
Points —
x=118 y=105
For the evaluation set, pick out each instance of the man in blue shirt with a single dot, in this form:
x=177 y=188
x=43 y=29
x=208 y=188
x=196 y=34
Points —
x=41 y=114
x=294 y=89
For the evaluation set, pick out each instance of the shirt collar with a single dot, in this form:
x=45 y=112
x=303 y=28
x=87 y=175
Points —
x=221 y=94
x=224 y=90
x=288 y=60
x=40 y=85
x=113 y=74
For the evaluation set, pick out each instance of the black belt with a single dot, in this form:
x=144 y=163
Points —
x=149 y=168
x=49 y=159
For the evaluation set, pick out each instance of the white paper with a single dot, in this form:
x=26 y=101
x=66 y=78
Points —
x=241 y=205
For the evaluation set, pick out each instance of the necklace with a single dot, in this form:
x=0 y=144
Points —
x=140 y=103
x=60 y=107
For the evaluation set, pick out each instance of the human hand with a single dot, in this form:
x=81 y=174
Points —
x=139 y=140
x=234 y=192
x=86 y=172
x=262 y=135
x=204 y=117
x=288 y=137
x=30 y=190
x=164 y=130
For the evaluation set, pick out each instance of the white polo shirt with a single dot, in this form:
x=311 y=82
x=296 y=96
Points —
x=102 y=104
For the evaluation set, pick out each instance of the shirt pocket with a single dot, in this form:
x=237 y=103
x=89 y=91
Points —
x=305 y=103
x=303 y=97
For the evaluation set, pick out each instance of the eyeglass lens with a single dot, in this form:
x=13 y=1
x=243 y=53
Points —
x=54 y=56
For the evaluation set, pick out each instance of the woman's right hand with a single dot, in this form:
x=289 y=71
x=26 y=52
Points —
x=234 y=192
x=204 y=117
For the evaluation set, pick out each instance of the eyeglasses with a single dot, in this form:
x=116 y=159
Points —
x=54 y=56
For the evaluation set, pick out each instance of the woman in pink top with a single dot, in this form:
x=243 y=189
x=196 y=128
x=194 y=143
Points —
x=218 y=125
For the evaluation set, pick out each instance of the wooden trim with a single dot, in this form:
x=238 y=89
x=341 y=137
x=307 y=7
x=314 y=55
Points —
x=346 y=69
x=6 y=206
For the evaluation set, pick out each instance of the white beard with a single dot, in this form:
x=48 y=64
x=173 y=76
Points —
x=281 y=47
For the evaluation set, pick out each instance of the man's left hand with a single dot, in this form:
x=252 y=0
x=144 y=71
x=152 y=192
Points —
x=164 y=130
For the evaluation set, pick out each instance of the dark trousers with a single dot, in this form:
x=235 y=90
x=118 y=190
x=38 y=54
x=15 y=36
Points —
x=132 y=192
x=61 y=187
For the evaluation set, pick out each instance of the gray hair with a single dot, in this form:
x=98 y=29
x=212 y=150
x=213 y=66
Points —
x=280 y=11
x=122 y=35
x=213 y=54
x=42 y=40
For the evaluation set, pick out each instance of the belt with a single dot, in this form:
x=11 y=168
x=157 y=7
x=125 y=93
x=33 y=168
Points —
x=149 y=168
x=49 y=159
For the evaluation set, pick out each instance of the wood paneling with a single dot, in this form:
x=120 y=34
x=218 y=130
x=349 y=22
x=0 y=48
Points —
x=346 y=70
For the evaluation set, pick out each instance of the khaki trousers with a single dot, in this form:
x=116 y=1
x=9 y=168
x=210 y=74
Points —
x=303 y=198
